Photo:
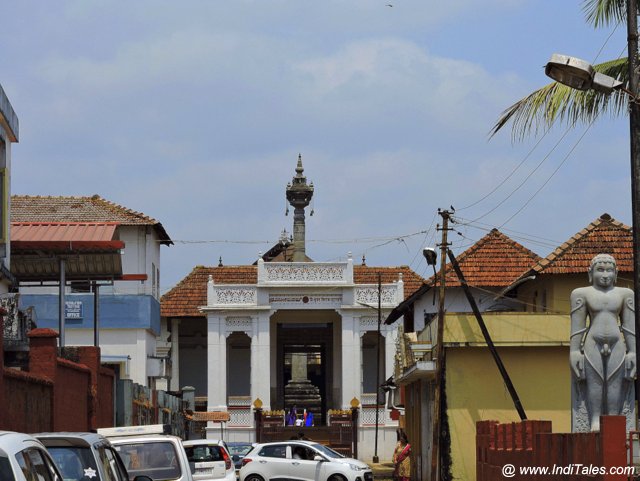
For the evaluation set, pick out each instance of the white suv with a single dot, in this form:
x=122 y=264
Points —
x=144 y=450
x=23 y=458
x=209 y=460
x=302 y=461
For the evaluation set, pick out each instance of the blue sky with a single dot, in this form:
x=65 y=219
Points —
x=194 y=113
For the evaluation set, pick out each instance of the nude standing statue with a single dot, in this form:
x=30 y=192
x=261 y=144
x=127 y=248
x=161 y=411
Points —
x=602 y=351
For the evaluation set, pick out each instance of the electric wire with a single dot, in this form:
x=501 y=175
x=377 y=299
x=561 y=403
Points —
x=513 y=171
x=544 y=159
x=433 y=219
x=535 y=146
x=552 y=174
x=563 y=160
x=516 y=234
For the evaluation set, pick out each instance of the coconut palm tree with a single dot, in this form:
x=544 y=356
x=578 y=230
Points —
x=542 y=108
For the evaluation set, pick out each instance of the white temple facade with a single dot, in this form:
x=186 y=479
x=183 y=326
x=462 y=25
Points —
x=308 y=306
x=239 y=334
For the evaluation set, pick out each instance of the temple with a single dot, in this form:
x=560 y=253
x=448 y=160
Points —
x=288 y=332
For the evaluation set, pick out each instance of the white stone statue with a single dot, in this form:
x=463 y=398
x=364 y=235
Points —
x=602 y=351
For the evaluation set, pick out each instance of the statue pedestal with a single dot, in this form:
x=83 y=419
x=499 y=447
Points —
x=580 y=414
x=300 y=392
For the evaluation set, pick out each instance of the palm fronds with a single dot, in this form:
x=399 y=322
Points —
x=542 y=108
x=604 y=12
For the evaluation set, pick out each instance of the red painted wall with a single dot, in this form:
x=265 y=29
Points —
x=106 y=386
x=531 y=443
x=56 y=394
x=72 y=390
x=30 y=403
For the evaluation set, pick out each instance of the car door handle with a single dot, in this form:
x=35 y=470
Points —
x=295 y=463
x=262 y=461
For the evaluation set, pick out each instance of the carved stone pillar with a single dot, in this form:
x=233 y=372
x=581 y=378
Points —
x=260 y=361
x=216 y=363
x=390 y=334
x=351 y=361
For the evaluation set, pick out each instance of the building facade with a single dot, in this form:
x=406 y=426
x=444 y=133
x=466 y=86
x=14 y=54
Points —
x=8 y=135
x=129 y=308
x=289 y=333
x=531 y=338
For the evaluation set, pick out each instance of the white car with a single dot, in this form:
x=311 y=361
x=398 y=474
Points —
x=81 y=456
x=209 y=460
x=301 y=461
x=144 y=450
x=24 y=458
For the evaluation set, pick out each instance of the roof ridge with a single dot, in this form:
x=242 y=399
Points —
x=494 y=234
x=562 y=249
x=115 y=206
x=38 y=196
x=181 y=282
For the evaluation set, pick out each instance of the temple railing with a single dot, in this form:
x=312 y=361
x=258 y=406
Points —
x=312 y=273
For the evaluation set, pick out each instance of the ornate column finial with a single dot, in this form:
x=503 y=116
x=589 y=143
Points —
x=299 y=195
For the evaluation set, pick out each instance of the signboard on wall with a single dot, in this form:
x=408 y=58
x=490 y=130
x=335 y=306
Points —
x=73 y=310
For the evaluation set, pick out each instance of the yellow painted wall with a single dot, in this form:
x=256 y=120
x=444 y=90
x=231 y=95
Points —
x=508 y=328
x=475 y=392
x=534 y=350
x=558 y=289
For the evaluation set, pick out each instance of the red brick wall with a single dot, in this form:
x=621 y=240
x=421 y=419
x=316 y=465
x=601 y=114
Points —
x=106 y=413
x=71 y=398
x=56 y=394
x=31 y=400
x=531 y=443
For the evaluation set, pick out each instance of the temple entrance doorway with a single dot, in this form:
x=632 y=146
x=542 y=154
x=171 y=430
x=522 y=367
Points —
x=305 y=365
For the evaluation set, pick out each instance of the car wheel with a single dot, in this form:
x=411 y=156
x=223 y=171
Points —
x=336 y=477
x=253 y=477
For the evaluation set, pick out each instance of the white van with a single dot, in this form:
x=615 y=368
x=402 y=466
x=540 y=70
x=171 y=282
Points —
x=146 y=450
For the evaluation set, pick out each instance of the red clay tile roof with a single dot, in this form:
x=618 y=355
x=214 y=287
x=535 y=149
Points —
x=605 y=235
x=369 y=275
x=28 y=208
x=496 y=260
x=191 y=292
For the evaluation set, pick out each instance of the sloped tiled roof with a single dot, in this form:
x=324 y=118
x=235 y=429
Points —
x=605 y=235
x=191 y=292
x=496 y=260
x=28 y=208
x=369 y=275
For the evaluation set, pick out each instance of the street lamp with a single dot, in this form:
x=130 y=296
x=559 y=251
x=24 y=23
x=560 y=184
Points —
x=581 y=75
x=376 y=459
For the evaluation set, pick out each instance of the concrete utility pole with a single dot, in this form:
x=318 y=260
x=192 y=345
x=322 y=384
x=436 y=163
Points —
x=440 y=351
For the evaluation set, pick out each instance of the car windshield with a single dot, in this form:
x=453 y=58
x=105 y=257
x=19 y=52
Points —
x=330 y=453
x=240 y=449
x=75 y=463
x=157 y=459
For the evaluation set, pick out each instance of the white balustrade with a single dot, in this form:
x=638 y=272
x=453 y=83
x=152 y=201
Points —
x=309 y=273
